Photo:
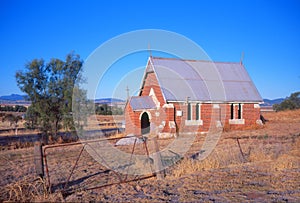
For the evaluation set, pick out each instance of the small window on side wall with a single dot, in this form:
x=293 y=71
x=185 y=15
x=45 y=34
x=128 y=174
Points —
x=236 y=111
x=189 y=112
x=232 y=111
x=198 y=112
x=236 y=114
x=240 y=111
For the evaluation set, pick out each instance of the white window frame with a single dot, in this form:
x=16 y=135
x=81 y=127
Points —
x=237 y=120
x=193 y=121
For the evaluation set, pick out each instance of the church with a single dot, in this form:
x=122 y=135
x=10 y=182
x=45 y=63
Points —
x=183 y=96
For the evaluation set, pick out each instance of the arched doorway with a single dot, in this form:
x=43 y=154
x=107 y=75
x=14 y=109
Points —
x=145 y=123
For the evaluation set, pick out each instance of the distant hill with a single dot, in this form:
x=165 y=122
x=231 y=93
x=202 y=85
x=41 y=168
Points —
x=13 y=97
x=21 y=99
x=108 y=101
x=271 y=102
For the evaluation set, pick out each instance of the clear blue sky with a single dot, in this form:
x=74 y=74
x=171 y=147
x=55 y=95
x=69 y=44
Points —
x=268 y=32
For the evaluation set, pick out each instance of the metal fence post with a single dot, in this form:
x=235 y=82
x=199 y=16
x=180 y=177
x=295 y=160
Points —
x=158 y=165
x=38 y=159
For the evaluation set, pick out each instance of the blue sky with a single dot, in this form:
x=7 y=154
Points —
x=268 y=32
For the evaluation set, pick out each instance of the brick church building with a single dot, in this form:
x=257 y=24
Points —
x=192 y=96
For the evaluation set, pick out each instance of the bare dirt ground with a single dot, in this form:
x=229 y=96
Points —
x=265 y=168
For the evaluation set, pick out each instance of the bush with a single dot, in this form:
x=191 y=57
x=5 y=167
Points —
x=290 y=103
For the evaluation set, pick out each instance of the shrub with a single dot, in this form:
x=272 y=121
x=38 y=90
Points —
x=290 y=103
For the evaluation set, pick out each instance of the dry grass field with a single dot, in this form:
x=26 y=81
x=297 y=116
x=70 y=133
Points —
x=102 y=121
x=265 y=168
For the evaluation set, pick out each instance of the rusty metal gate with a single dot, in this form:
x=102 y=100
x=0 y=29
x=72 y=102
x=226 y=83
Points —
x=72 y=167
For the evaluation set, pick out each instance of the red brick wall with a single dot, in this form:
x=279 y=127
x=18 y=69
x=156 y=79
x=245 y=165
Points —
x=151 y=82
x=205 y=116
x=166 y=114
x=249 y=114
x=133 y=124
x=210 y=114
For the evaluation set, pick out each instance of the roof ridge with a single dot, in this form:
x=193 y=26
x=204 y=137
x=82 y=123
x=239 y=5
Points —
x=192 y=60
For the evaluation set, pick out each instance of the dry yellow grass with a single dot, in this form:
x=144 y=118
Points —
x=277 y=152
x=288 y=115
x=26 y=190
x=189 y=166
x=268 y=171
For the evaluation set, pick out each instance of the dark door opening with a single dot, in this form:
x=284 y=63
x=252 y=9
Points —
x=145 y=123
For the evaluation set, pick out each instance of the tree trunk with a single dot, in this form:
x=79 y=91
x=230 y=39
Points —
x=56 y=127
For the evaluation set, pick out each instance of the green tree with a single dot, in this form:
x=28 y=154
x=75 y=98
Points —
x=104 y=109
x=81 y=107
x=290 y=103
x=49 y=87
x=19 y=108
x=31 y=118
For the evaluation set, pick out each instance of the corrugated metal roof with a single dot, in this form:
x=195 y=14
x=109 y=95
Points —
x=204 y=81
x=142 y=102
